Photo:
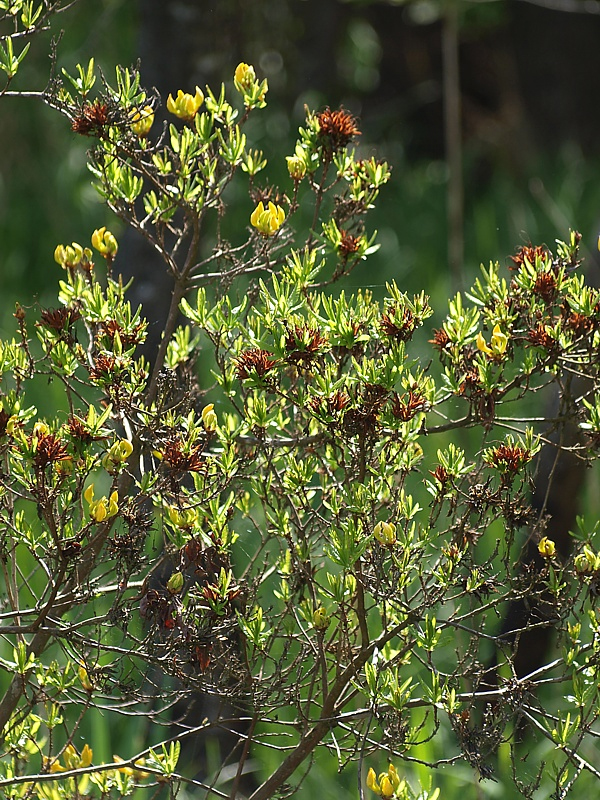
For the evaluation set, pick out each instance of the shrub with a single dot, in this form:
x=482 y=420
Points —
x=276 y=529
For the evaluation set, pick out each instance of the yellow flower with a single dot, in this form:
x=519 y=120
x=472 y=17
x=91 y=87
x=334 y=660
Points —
x=385 y=532
x=102 y=508
x=86 y=755
x=497 y=347
x=117 y=455
x=387 y=783
x=546 y=547
x=209 y=417
x=85 y=678
x=185 y=518
x=105 y=243
x=296 y=167
x=372 y=781
x=73 y=255
x=244 y=78
x=141 y=121
x=133 y=771
x=185 y=106
x=267 y=221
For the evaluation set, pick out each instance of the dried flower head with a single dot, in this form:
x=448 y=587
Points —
x=330 y=406
x=91 y=118
x=398 y=325
x=336 y=128
x=303 y=344
x=541 y=336
x=128 y=339
x=59 y=319
x=348 y=244
x=104 y=367
x=545 y=286
x=255 y=363
x=48 y=450
x=179 y=459
x=405 y=408
x=440 y=340
x=509 y=458
x=529 y=253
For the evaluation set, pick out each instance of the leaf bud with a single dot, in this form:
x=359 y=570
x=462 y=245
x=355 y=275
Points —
x=321 y=618
x=385 y=533
x=175 y=583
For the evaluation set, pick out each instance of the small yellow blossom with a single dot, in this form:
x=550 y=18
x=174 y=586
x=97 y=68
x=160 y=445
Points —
x=102 y=508
x=244 y=78
x=267 y=221
x=117 y=455
x=296 y=167
x=86 y=755
x=85 y=678
x=185 y=106
x=105 y=243
x=185 y=518
x=546 y=547
x=209 y=418
x=73 y=255
x=141 y=121
x=385 y=533
x=497 y=347
x=386 y=784
x=133 y=771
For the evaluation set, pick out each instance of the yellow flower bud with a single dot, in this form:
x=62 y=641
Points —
x=385 y=532
x=582 y=564
x=117 y=455
x=393 y=776
x=321 y=618
x=546 y=547
x=86 y=755
x=185 y=518
x=372 y=781
x=105 y=243
x=296 y=167
x=102 y=508
x=387 y=790
x=244 y=78
x=209 y=417
x=71 y=757
x=73 y=255
x=113 y=504
x=141 y=121
x=185 y=106
x=85 y=678
x=267 y=221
